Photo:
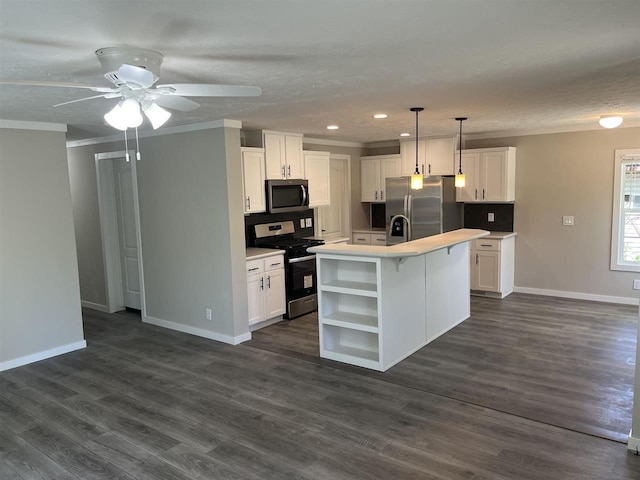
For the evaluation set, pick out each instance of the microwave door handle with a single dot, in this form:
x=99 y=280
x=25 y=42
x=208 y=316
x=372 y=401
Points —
x=305 y=199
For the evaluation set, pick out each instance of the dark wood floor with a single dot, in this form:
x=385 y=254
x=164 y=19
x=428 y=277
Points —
x=142 y=402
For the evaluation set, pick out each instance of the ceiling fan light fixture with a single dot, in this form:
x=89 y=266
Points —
x=610 y=121
x=157 y=115
x=125 y=115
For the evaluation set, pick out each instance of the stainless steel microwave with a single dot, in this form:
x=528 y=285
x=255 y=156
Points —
x=287 y=195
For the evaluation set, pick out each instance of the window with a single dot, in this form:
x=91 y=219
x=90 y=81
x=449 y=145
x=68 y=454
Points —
x=625 y=234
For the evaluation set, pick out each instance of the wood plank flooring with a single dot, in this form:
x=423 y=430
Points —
x=142 y=402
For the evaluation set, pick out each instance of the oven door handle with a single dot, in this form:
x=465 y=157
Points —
x=302 y=259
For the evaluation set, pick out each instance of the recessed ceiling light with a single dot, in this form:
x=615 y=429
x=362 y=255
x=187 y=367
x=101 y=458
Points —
x=380 y=115
x=332 y=127
x=610 y=121
x=405 y=134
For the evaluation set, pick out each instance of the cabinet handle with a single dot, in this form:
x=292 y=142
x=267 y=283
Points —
x=429 y=169
x=381 y=195
x=253 y=269
x=485 y=245
x=476 y=194
x=262 y=283
x=376 y=197
x=422 y=167
x=283 y=172
x=483 y=193
x=248 y=203
x=289 y=169
x=269 y=281
x=276 y=264
x=476 y=258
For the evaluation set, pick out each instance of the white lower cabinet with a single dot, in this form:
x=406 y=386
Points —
x=266 y=288
x=492 y=266
x=368 y=238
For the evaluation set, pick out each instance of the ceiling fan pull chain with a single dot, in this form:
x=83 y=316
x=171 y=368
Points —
x=137 y=146
x=126 y=146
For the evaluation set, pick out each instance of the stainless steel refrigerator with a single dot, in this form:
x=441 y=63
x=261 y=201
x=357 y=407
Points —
x=429 y=211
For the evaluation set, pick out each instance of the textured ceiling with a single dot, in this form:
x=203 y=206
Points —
x=510 y=66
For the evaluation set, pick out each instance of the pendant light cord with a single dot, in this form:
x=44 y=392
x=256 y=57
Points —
x=137 y=146
x=126 y=147
x=460 y=119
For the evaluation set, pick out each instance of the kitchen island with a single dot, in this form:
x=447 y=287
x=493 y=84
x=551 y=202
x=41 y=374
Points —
x=377 y=305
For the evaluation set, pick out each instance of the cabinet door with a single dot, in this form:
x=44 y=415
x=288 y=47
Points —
x=253 y=176
x=408 y=157
x=255 y=292
x=370 y=180
x=487 y=271
x=274 y=152
x=317 y=172
x=275 y=293
x=440 y=154
x=389 y=167
x=471 y=170
x=493 y=177
x=293 y=156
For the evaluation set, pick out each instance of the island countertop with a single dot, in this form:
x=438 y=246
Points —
x=407 y=249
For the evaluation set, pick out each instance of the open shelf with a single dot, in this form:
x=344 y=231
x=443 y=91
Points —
x=353 y=356
x=355 y=321
x=350 y=287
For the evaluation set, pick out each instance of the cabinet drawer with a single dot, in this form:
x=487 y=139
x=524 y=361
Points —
x=255 y=266
x=362 y=239
x=273 y=263
x=487 y=244
x=379 y=239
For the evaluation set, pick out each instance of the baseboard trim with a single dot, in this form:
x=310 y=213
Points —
x=577 y=295
x=36 y=357
x=634 y=442
x=200 y=332
x=95 y=306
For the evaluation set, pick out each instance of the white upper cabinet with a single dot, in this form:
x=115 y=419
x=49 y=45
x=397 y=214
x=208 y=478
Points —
x=282 y=151
x=436 y=156
x=490 y=175
x=253 y=176
x=374 y=172
x=317 y=172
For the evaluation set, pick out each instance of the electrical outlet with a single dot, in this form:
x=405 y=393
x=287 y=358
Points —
x=208 y=313
x=302 y=223
x=636 y=284
x=567 y=221
x=491 y=217
x=308 y=222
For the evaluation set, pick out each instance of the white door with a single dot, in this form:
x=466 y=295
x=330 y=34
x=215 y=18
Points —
x=125 y=211
x=334 y=219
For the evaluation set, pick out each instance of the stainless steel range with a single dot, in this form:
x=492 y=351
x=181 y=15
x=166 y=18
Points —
x=300 y=266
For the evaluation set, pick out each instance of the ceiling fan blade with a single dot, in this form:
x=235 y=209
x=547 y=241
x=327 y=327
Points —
x=58 y=84
x=136 y=75
x=176 y=102
x=106 y=95
x=207 y=90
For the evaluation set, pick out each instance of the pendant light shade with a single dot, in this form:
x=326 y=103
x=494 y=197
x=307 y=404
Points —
x=460 y=181
x=417 y=181
x=125 y=115
x=156 y=114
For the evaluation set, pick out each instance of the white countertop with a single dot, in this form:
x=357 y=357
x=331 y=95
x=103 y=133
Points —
x=407 y=249
x=501 y=235
x=255 y=253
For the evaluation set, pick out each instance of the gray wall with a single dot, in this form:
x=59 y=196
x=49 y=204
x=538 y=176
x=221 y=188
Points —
x=567 y=174
x=39 y=288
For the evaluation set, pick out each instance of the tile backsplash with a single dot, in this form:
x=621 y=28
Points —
x=477 y=215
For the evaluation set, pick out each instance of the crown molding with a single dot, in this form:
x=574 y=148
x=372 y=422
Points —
x=21 y=125
x=333 y=143
x=194 y=127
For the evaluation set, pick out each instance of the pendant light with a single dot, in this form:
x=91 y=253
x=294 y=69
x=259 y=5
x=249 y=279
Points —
x=416 y=178
x=460 y=178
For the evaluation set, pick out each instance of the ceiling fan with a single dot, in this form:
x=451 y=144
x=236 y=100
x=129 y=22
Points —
x=133 y=73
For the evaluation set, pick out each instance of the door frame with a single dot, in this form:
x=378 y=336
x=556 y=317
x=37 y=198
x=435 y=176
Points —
x=347 y=181
x=109 y=229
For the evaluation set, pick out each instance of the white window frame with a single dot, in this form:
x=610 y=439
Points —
x=617 y=236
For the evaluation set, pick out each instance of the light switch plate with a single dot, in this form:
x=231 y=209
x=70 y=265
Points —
x=308 y=222
x=491 y=217
x=567 y=221
x=302 y=223
x=636 y=284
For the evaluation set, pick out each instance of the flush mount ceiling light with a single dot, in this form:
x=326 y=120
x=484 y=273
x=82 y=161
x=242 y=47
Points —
x=405 y=134
x=610 y=121
x=460 y=180
x=332 y=127
x=417 y=182
x=380 y=115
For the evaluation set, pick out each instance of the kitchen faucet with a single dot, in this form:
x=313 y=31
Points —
x=392 y=221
